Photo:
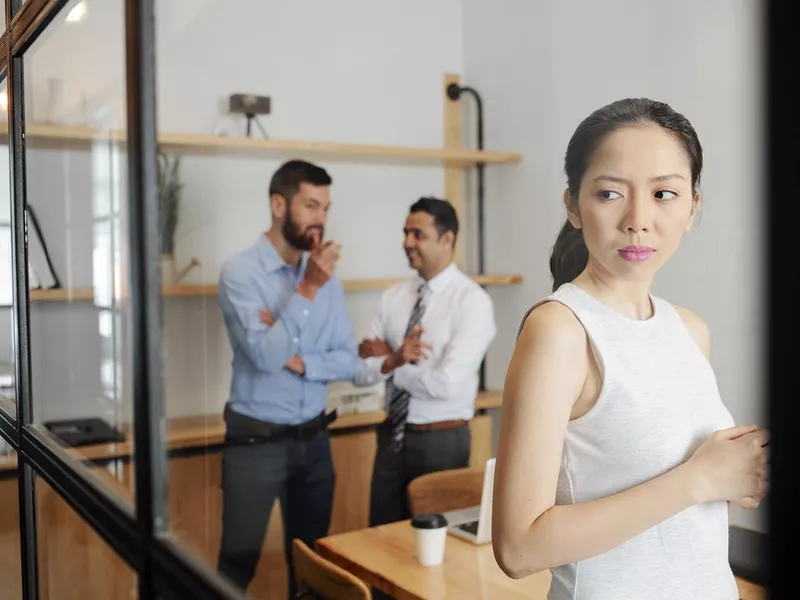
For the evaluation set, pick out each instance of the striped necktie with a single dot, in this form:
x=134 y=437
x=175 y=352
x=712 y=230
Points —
x=398 y=405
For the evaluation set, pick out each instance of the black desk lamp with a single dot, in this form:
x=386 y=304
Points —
x=454 y=92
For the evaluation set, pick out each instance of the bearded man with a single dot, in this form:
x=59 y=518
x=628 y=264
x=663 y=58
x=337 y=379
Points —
x=287 y=323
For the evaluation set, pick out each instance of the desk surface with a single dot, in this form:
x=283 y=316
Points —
x=385 y=557
x=209 y=430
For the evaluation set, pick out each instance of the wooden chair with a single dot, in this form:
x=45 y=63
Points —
x=444 y=491
x=318 y=578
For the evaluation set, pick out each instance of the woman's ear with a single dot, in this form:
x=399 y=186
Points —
x=696 y=203
x=572 y=214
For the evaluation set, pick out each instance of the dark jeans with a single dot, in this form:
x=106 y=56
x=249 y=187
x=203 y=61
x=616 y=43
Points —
x=300 y=473
x=422 y=453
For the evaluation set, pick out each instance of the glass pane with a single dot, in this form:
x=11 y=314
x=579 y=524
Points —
x=197 y=354
x=74 y=561
x=10 y=558
x=78 y=243
x=223 y=207
x=7 y=356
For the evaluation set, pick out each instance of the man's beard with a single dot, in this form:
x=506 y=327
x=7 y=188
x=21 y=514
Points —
x=302 y=240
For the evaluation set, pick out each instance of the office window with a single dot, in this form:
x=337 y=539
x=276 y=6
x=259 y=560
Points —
x=74 y=561
x=7 y=358
x=10 y=563
x=75 y=160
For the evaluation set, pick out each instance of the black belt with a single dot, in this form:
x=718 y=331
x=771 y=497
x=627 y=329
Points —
x=242 y=430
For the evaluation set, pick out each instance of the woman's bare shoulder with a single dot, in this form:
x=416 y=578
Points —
x=553 y=326
x=697 y=328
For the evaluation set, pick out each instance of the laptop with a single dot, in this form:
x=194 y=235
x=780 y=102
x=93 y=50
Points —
x=84 y=432
x=474 y=524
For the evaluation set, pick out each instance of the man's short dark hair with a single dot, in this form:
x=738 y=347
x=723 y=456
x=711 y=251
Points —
x=287 y=179
x=444 y=215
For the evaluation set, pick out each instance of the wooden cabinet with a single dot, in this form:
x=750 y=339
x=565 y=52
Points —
x=75 y=563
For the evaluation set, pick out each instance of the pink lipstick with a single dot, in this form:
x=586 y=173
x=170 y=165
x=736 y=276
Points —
x=636 y=253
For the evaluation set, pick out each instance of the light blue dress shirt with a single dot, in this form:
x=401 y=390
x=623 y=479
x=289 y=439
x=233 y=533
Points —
x=319 y=332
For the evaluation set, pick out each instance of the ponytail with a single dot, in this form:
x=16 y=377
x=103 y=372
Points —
x=569 y=257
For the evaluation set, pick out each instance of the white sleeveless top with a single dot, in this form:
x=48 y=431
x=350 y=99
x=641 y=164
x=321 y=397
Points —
x=658 y=402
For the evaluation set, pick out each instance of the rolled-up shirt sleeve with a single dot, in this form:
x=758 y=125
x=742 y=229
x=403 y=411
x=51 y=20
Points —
x=268 y=348
x=368 y=370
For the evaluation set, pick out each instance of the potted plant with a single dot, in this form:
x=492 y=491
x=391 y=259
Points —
x=169 y=190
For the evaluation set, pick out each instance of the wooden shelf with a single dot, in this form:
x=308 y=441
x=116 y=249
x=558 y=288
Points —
x=203 y=144
x=61 y=295
x=364 y=285
x=350 y=285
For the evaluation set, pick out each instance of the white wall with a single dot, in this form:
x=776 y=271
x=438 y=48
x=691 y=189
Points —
x=371 y=71
x=343 y=72
x=357 y=71
x=544 y=66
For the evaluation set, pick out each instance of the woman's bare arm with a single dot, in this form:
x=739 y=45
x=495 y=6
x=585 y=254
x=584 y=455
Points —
x=547 y=372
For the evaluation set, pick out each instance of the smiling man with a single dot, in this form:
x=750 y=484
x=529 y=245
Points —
x=427 y=342
x=287 y=323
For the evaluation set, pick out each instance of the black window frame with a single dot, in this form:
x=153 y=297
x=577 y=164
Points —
x=140 y=536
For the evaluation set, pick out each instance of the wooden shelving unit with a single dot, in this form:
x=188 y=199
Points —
x=451 y=156
x=364 y=285
x=202 y=144
x=350 y=285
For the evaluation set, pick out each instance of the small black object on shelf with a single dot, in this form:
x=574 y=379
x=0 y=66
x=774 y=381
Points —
x=250 y=106
x=84 y=432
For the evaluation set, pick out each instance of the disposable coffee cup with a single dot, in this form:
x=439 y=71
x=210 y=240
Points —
x=431 y=532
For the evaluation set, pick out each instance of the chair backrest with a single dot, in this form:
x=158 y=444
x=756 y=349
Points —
x=444 y=491
x=320 y=578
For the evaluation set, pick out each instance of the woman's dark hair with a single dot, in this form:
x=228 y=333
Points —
x=570 y=255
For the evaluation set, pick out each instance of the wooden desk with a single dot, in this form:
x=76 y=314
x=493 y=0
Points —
x=204 y=431
x=385 y=558
x=68 y=546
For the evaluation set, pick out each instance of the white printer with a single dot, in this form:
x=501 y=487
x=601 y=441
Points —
x=347 y=398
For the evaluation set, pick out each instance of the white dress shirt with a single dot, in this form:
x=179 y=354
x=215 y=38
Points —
x=458 y=323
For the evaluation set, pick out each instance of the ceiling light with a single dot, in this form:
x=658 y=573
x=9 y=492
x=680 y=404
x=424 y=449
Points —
x=78 y=12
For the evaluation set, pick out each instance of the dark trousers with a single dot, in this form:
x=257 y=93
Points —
x=422 y=453
x=298 y=472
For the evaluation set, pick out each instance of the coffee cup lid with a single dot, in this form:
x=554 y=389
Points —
x=429 y=521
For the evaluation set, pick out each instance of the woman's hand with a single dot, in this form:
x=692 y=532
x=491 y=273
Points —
x=732 y=465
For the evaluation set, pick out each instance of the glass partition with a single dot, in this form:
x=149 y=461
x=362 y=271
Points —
x=75 y=161
x=10 y=563
x=74 y=562
x=7 y=356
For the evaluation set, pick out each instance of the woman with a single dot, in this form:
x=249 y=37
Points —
x=616 y=454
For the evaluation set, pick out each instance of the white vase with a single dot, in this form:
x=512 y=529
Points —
x=55 y=99
x=169 y=274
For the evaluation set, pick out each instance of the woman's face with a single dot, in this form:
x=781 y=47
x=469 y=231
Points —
x=635 y=202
